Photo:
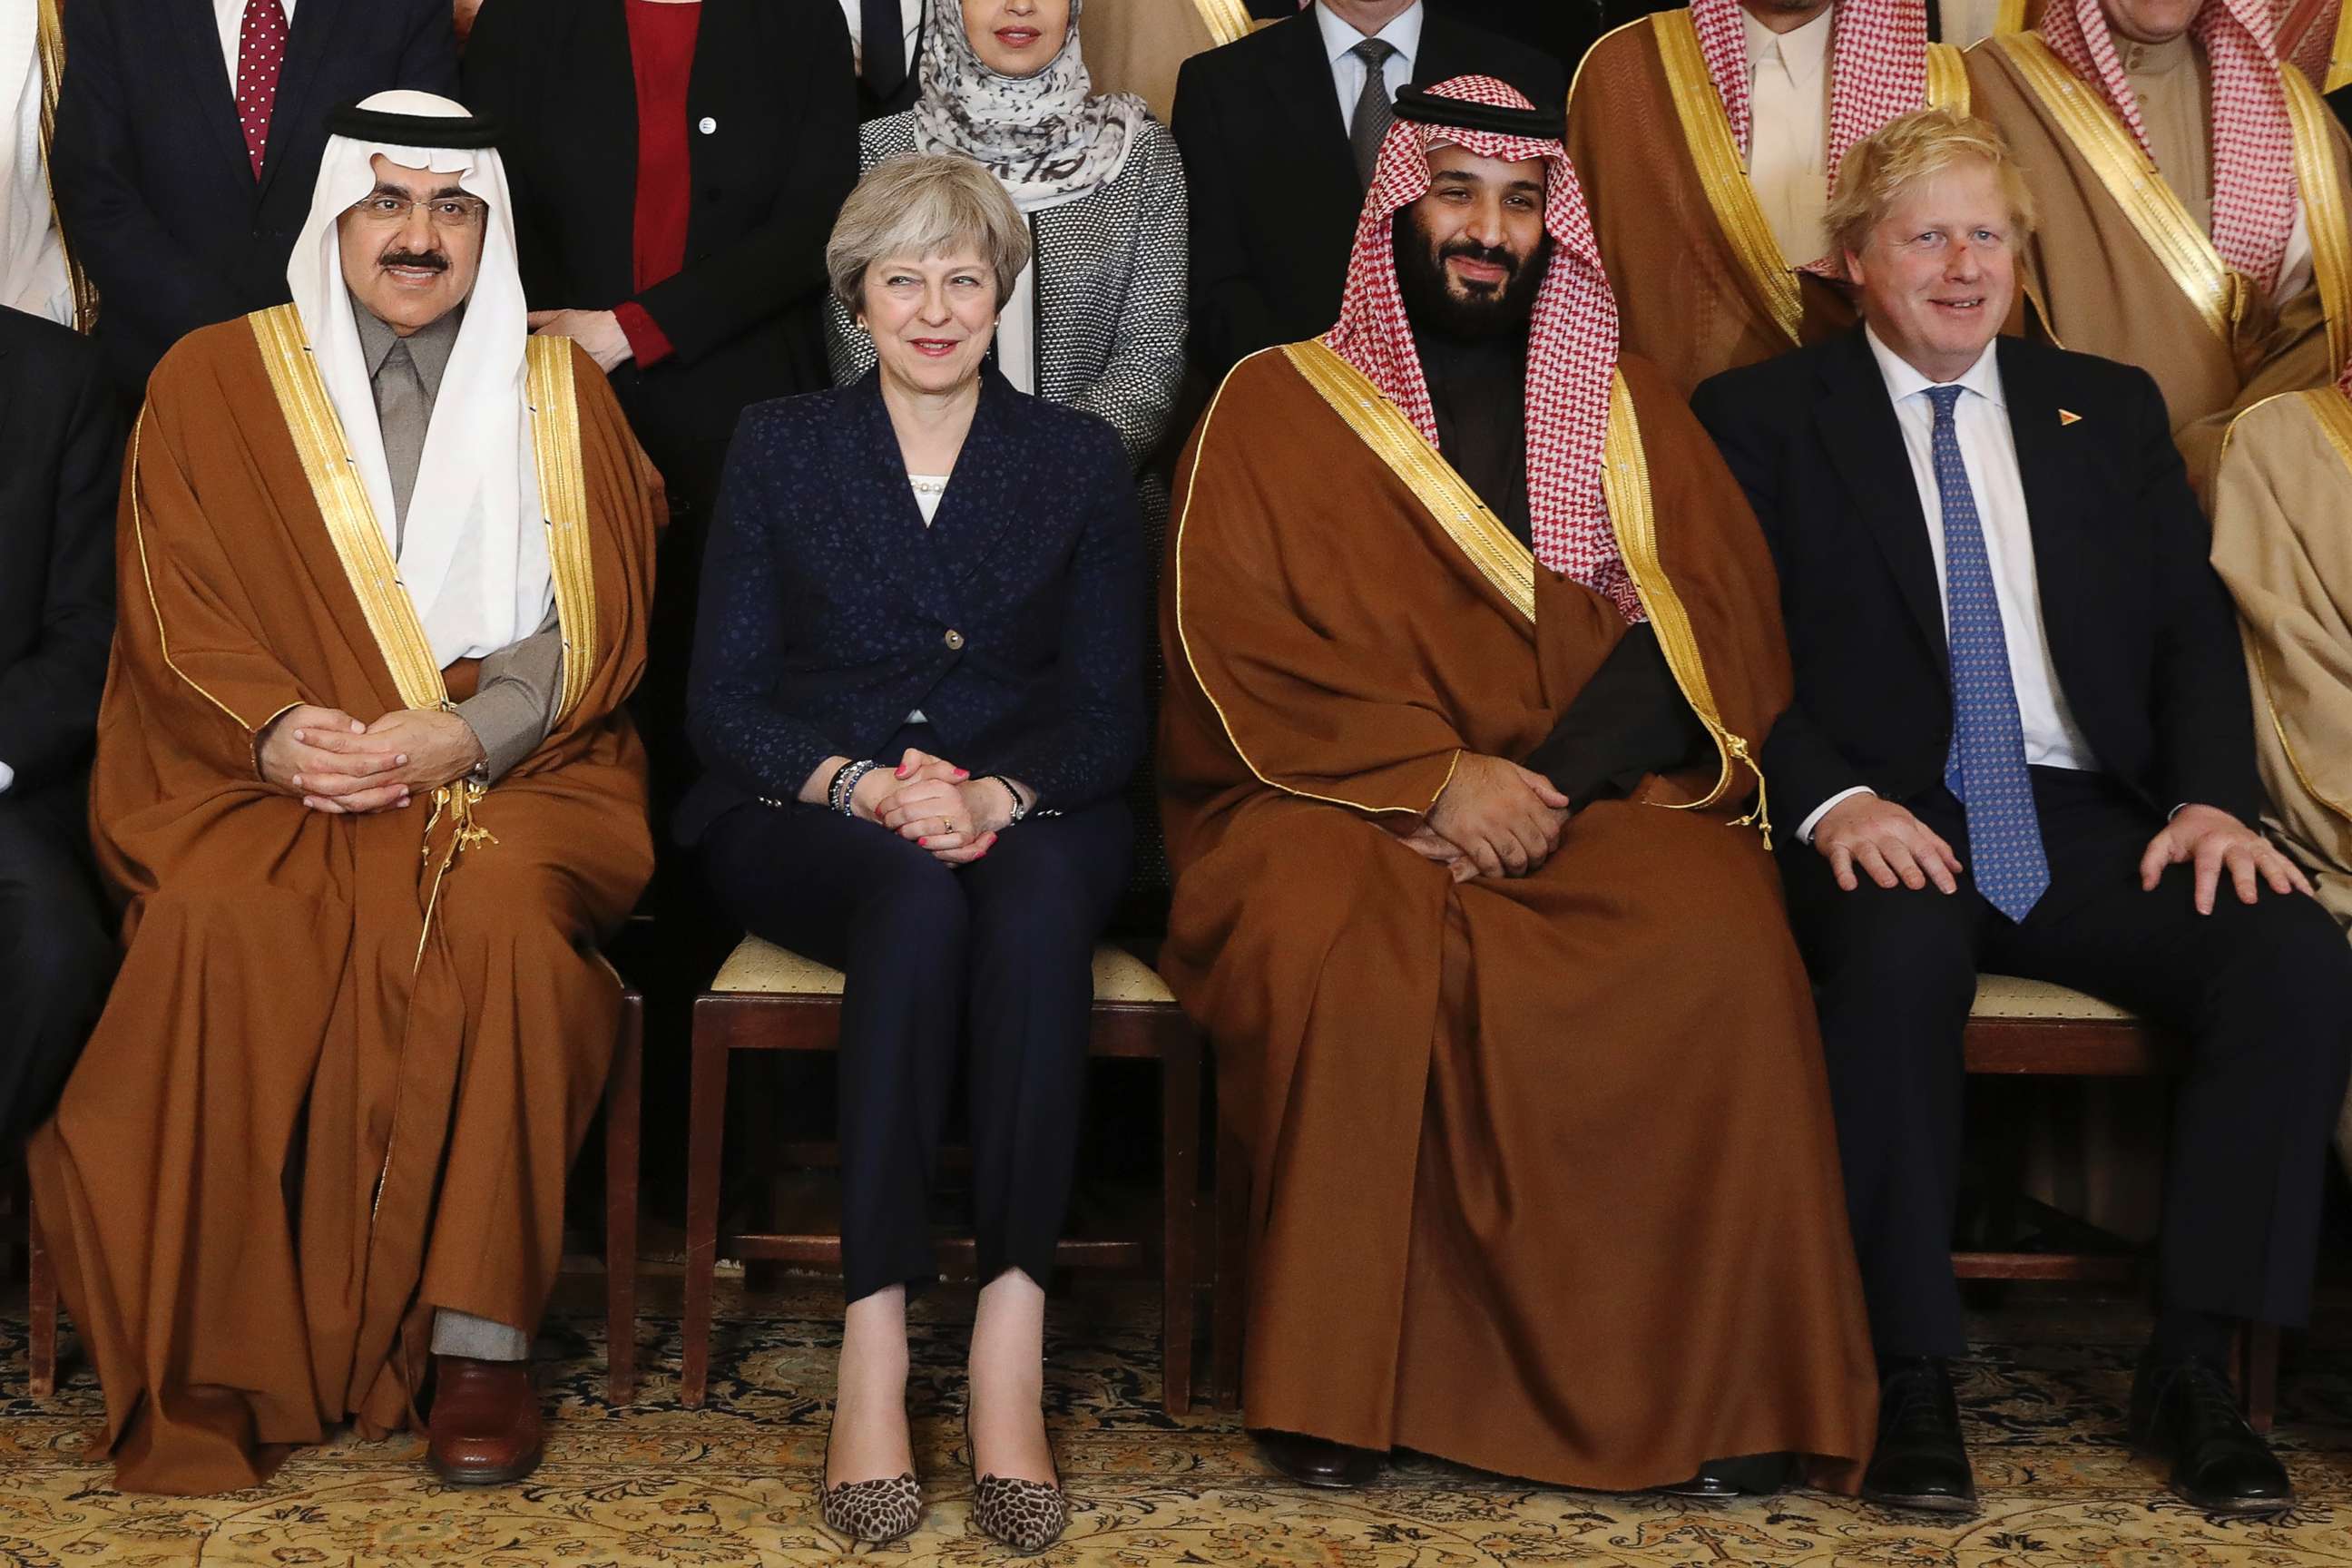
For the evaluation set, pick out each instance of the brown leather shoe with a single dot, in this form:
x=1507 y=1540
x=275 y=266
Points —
x=485 y=1429
x=1317 y=1461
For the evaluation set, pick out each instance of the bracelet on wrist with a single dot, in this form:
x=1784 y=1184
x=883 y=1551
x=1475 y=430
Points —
x=841 y=795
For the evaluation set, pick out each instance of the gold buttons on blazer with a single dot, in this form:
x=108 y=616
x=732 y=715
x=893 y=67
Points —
x=954 y=639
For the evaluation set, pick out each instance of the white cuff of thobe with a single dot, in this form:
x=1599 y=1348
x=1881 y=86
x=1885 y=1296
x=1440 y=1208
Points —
x=7 y=777
x=478 y=1339
x=1805 y=828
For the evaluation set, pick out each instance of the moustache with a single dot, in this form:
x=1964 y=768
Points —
x=1492 y=255
x=431 y=259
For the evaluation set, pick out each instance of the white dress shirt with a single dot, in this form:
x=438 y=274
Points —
x=1989 y=453
x=7 y=777
x=1789 y=132
x=1340 y=40
x=230 y=15
x=910 y=11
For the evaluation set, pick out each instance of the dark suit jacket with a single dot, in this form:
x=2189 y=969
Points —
x=1563 y=29
x=1275 y=199
x=2143 y=640
x=773 y=78
x=57 y=551
x=1017 y=622
x=152 y=181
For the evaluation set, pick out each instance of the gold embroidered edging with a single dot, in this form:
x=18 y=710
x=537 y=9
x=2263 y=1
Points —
x=1473 y=526
x=2320 y=181
x=1715 y=151
x=1633 y=514
x=1184 y=639
x=2009 y=18
x=49 y=43
x=147 y=578
x=1226 y=19
x=2130 y=180
x=563 y=503
x=1947 y=79
x=2339 y=52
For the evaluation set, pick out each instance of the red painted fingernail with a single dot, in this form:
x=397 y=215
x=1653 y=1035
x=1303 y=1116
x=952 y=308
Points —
x=924 y=842
x=902 y=770
x=963 y=772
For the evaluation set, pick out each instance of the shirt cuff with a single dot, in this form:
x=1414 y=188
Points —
x=647 y=342
x=7 y=777
x=1805 y=828
x=507 y=723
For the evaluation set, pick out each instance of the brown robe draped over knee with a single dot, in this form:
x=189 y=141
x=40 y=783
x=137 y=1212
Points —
x=335 y=1089
x=2096 y=274
x=1543 y=1177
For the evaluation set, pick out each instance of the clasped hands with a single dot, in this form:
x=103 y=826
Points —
x=338 y=766
x=940 y=806
x=1494 y=818
x=1891 y=847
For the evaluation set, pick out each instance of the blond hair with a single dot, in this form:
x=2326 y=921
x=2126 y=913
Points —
x=924 y=204
x=1877 y=170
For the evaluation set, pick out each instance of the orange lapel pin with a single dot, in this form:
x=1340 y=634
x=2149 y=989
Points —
x=2068 y=416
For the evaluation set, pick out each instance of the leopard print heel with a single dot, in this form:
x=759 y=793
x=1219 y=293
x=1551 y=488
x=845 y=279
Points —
x=1027 y=1516
x=874 y=1513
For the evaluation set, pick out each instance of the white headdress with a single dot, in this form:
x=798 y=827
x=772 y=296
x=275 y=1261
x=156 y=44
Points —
x=473 y=553
x=32 y=274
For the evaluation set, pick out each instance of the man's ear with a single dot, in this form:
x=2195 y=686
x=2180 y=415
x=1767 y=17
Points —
x=1853 y=267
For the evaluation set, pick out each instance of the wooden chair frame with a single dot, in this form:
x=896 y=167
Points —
x=623 y=1112
x=726 y=1022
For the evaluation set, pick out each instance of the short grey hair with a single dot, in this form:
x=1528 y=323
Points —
x=924 y=204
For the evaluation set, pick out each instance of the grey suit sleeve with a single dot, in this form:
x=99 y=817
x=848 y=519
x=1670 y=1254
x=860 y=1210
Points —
x=513 y=712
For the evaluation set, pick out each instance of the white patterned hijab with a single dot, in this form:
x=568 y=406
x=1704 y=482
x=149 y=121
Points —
x=1048 y=138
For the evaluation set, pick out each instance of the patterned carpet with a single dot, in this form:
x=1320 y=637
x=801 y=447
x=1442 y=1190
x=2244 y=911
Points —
x=731 y=1484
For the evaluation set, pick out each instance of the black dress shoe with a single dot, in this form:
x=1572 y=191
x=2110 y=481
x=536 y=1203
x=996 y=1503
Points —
x=1920 y=1462
x=1752 y=1475
x=2184 y=1411
x=1317 y=1461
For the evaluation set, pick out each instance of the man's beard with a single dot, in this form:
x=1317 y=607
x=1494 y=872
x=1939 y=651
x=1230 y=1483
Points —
x=1435 y=302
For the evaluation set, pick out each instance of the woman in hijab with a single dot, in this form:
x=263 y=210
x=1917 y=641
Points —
x=1096 y=320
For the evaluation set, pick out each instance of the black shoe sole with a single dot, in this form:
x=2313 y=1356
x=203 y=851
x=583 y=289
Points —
x=2234 y=1508
x=477 y=1478
x=1930 y=1502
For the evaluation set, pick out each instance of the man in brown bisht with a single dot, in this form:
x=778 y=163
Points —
x=2192 y=191
x=1707 y=138
x=1471 y=638
x=366 y=782
x=2280 y=543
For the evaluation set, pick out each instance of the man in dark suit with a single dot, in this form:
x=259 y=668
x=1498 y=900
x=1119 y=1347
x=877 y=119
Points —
x=189 y=134
x=57 y=615
x=2021 y=742
x=1278 y=130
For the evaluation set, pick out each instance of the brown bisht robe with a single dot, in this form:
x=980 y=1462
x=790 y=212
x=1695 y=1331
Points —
x=335 y=1087
x=1700 y=282
x=2135 y=278
x=2280 y=541
x=1542 y=1171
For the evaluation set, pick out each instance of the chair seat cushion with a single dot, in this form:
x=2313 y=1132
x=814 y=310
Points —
x=758 y=968
x=2005 y=996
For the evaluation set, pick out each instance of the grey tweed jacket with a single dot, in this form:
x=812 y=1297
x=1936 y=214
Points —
x=1111 y=290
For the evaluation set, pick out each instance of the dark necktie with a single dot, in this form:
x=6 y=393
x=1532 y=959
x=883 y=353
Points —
x=260 y=55
x=1986 y=768
x=1374 y=112
x=882 y=41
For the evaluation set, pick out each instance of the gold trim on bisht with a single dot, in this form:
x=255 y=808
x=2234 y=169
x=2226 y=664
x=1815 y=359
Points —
x=1633 y=514
x=1469 y=521
x=2011 y=18
x=1707 y=130
x=1947 y=79
x=49 y=42
x=1184 y=638
x=1225 y=20
x=2132 y=182
x=563 y=504
x=367 y=563
x=2319 y=178
x=2339 y=52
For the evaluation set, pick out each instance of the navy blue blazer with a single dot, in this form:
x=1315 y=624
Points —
x=152 y=181
x=1015 y=622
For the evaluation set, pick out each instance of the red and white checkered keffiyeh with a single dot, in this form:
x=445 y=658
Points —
x=2253 y=140
x=1878 y=66
x=1572 y=350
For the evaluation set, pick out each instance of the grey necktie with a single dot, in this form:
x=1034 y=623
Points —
x=403 y=411
x=1374 y=113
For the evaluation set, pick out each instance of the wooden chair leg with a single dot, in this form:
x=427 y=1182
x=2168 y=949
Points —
x=2257 y=1369
x=41 y=1286
x=1232 y=1293
x=706 y=1132
x=624 y=1105
x=1180 y=1181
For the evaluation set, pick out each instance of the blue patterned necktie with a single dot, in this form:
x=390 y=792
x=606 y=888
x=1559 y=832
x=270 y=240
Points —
x=1985 y=769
